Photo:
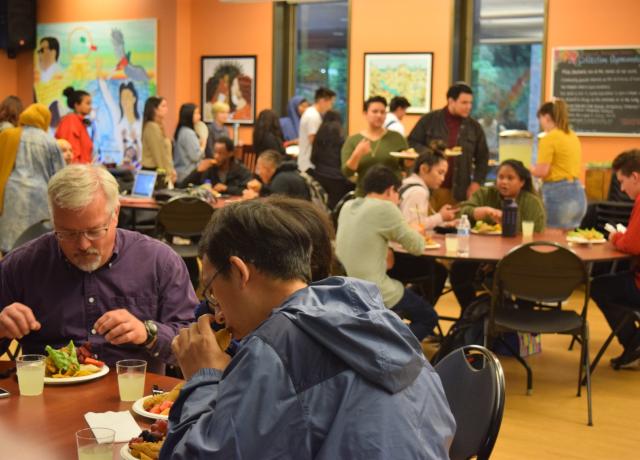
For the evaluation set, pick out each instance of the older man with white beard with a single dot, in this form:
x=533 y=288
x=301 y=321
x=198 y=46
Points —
x=125 y=293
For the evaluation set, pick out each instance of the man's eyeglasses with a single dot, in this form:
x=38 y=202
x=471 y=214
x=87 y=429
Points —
x=212 y=302
x=91 y=234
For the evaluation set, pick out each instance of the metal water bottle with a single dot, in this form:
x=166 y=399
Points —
x=509 y=218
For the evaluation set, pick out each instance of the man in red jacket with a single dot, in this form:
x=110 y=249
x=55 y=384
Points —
x=623 y=289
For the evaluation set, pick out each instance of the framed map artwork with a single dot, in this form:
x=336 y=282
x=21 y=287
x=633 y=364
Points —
x=400 y=74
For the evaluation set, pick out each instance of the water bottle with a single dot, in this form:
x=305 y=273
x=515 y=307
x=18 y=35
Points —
x=464 y=228
x=509 y=218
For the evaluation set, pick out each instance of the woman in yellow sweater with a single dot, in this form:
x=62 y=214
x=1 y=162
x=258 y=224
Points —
x=156 y=146
x=559 y=160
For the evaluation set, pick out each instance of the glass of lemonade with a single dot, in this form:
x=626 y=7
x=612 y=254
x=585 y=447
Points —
x=131 y=378
x=30 y=369
x=95 y=443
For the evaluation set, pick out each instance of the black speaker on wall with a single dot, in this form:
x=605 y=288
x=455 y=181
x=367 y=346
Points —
x=17 y=25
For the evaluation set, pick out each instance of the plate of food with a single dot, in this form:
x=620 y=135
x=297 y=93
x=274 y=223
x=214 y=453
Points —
x=453 y=151
x=586 y=236
x=157 y=406
x=147 y=445
x=430 y=244
x=409 y=154
x=69 y=365
x=484 y=228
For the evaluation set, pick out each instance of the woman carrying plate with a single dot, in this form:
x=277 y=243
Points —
x=372 y=145
x=559 y=160
x=513 y=182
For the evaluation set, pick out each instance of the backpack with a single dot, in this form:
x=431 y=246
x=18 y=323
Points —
x=468 y=330
x=317 y=193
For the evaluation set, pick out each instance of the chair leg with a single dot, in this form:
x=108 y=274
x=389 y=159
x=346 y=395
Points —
x=585 y=345
x=573 y=340
x=523 y=362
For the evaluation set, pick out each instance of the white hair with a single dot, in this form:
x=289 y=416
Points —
x=75 y=187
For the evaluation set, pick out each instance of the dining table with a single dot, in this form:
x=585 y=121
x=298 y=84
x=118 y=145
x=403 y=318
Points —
x=493 y=247
x=44 y=426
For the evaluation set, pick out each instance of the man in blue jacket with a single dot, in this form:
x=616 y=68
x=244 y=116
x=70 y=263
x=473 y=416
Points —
x=322 y=370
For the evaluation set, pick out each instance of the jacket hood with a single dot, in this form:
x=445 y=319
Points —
x=287 y=166
x=292 y=111
x=347 y=316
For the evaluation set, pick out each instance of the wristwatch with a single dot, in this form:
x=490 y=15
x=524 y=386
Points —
x=152 y=332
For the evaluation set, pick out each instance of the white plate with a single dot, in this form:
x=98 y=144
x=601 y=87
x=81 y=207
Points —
x=476 y=232
x=452 y=153
x=405 y=155
x=293 y=150
x=139 y=409
x=432 y=246
x=125 y=453
x=71 y=380
x=582 y=240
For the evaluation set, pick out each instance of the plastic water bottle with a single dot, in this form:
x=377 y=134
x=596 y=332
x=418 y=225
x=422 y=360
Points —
x=509 y=218
x=464 y=228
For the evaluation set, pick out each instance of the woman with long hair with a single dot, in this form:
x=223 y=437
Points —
x=187 y=153
x=559 y=162
x=267 y=134
x=325 y=155
x=513 y=182
x=156 y=146
x=73 y=126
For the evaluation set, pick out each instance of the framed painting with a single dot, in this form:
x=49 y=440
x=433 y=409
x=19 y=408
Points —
x=232 y=80
x=400 y=74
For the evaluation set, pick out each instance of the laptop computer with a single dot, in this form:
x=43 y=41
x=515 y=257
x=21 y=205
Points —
x=144 y=184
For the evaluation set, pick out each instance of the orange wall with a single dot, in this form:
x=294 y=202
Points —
x=405 y=25
x=8 y=75
x=593 y=23
x=233 y=29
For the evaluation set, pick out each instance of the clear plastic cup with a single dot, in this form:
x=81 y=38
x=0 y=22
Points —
x=451 y=243
x=527 y=228
x=95 y=443
x=131 y=374
x=30 y=370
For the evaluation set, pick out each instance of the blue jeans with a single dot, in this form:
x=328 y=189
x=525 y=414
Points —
x=610 y=291
x=417 y=310
x=565 y=203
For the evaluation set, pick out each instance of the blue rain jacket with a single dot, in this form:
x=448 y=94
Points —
x=331 y=374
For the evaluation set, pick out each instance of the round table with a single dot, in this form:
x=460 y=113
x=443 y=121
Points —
x=44 y=426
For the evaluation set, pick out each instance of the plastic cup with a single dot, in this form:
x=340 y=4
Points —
x=131 y=374
x=527 y=228
x=95 y=443
x=451 y=243
x=30 y=370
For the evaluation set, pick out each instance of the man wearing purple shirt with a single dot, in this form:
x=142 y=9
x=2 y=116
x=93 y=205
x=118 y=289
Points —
x=124 y=292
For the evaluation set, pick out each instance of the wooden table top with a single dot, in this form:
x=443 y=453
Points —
x=495 y=247
x=151 y=203
x=43 y=427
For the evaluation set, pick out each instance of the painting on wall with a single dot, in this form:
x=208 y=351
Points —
x=400 y=74
x=115 y=62
x=232 y=80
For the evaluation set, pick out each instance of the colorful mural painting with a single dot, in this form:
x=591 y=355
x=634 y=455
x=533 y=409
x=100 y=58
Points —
x=115 y=61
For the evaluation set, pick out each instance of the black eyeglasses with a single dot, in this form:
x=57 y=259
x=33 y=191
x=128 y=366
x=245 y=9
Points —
x=212 y=302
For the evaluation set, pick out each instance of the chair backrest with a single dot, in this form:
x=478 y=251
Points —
x=473 y=382
x=249 y=157
x=33 y=232
x=184 y=216
x=540 y=271
x=335 y=213
x=614 y=212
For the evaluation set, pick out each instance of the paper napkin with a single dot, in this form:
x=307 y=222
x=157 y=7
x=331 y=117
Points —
x=122 y=423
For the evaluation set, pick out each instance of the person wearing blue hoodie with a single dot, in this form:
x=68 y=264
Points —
x=291 y=123
x=322 y=370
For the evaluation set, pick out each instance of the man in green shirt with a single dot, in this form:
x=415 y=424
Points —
x=365 y=228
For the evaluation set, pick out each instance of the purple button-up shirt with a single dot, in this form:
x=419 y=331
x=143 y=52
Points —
x=143 y=275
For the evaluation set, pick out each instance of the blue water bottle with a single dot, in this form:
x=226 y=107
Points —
x=509 y=218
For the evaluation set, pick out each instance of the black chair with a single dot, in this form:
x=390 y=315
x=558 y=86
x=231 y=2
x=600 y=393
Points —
x=335 y=213
x=631 y=314
x=185 y=217
x=541 y=274
x=33 y=232
x=473 y=382
x=600 y=213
